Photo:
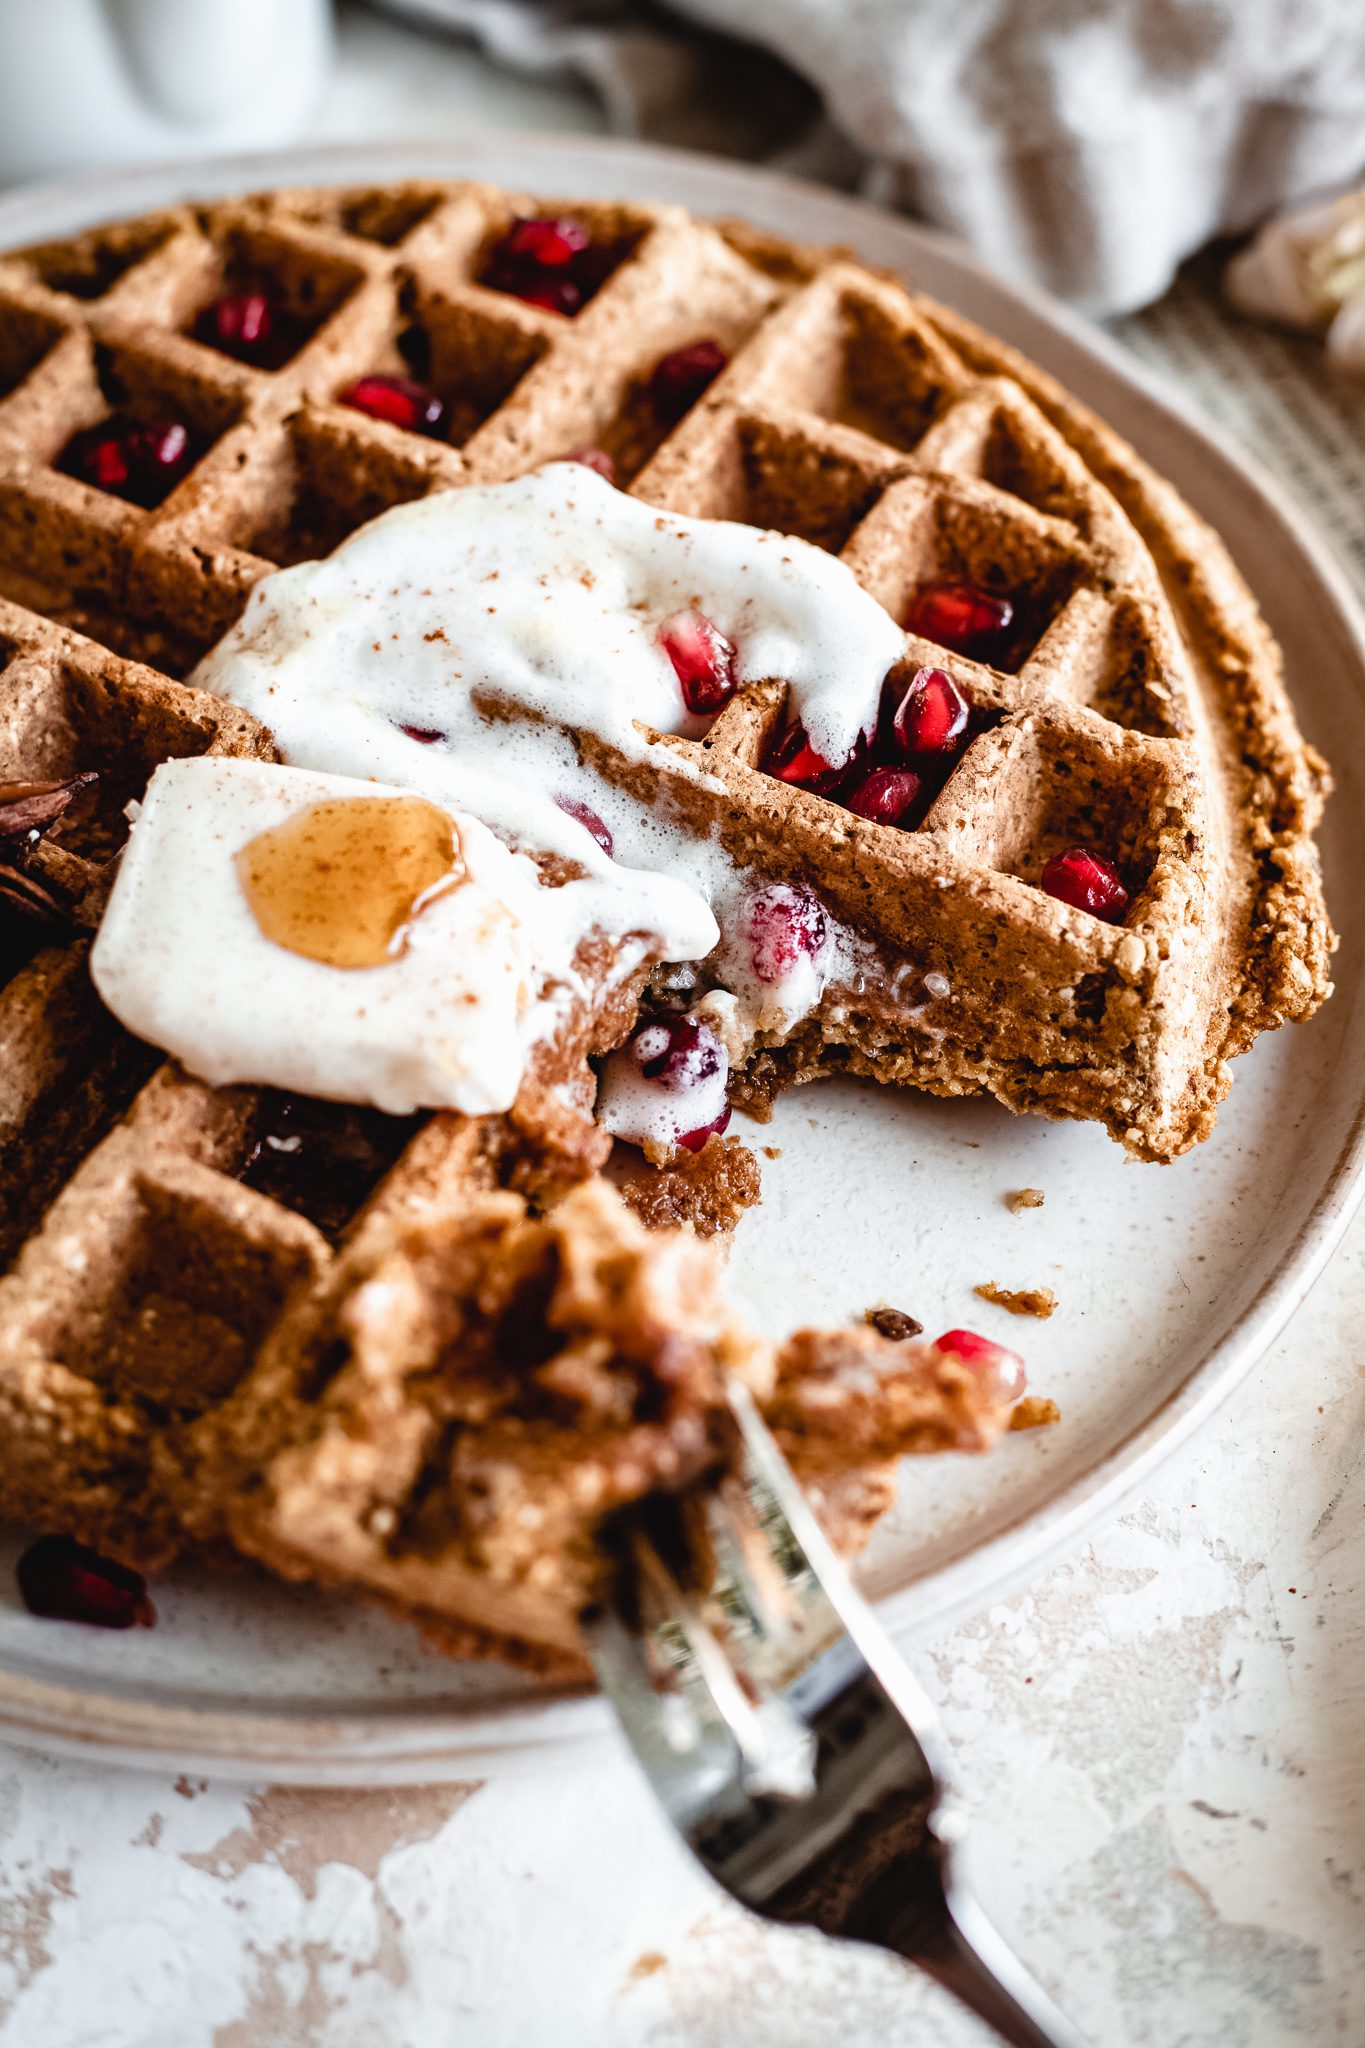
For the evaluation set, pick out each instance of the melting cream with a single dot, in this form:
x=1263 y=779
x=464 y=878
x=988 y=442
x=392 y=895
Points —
x=185 y=958
x=546 y=593
x=541 y=599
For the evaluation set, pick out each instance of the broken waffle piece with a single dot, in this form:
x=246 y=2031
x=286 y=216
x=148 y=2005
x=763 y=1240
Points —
x=1024 y=1198
x=1019 y=1301
x=710 y=1189
x=451 y=1420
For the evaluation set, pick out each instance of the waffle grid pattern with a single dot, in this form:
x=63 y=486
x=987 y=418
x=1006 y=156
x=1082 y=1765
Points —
x=852 y=414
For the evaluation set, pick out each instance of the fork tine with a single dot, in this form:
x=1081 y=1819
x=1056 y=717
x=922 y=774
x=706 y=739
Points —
x=787 y=1741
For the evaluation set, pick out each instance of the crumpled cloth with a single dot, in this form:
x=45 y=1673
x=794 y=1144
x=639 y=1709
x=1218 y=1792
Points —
x=1084 y=145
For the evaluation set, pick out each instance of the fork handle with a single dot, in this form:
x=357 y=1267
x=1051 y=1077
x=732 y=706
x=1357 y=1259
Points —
x=961 y=1950
x=1021 y=2014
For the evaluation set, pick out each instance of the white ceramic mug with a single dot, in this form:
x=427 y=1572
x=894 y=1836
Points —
x=86 y=82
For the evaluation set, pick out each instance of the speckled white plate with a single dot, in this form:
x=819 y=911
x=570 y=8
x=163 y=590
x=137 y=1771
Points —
x=1171 y=1280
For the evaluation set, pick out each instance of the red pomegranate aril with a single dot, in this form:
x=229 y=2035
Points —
x=588 y=818
x=165 y=445
x=886 y=796
x=793 y=759
x=139 y=463
x=401 y=401
x=106 y=462
x=241 y=324
x=783 y=923
x=62 y=1580
x=553 y=295
x=425 y=735
x=933 y=715
x=538 y=260
x=677 y=1052
x=960 y=616
x=692 y=1141
x=703 y=661
x=596 y=459
x=678 y=380
x=997 y=1367
x=684 y=1060
x=541 y=242
x=1087 y=881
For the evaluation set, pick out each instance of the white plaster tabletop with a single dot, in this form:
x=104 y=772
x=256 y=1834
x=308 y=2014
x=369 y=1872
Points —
x=1160 y=1739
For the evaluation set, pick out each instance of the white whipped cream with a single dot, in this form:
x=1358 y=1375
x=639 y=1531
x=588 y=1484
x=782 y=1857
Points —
x=654 y=1118
x=548 y=593
x=545 y=596
x=446 y=1023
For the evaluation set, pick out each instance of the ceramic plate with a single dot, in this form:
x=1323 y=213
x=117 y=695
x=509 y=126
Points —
x=1171 y=1280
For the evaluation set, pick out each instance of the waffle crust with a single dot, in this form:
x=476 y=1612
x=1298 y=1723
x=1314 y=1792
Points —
x=156 y=1229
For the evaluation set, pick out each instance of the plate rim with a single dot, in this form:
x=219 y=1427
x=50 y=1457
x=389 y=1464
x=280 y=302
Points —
x=410 y=1745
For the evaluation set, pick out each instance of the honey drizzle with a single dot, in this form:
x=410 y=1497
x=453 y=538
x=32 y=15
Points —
x=342 y=881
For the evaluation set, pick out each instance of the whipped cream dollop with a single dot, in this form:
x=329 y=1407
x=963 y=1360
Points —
x=546 y=593
x=457 y=646
x=182 y=960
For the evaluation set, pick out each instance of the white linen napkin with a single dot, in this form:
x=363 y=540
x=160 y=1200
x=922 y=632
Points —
x=1087 y=145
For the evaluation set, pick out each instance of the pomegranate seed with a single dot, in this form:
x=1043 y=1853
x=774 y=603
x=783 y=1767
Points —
x=703 y=660
x=596 y=459
x=678 y=380
x=553 y=295
x=538 y=260
x=677 y=1052
x=681 y=1058
x=140 y=463
x=107 y=462
x=793 y=759
x=425 y=735
x=165 y=445
x=63 y=1581
x=1087 y=881
x=692 y=1141
x=588 y=818
x=241 y=324
x=885 y=796
x=958 y=615
x=999 y=1369
x=783 y=923
x=542 y=242
x=400 y=400
x=933 y=714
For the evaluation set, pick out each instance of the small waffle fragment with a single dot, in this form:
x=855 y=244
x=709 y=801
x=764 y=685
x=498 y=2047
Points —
x=1018 y=1301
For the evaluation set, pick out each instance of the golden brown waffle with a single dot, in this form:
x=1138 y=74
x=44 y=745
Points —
x=451 y=1420
x=152 y=1249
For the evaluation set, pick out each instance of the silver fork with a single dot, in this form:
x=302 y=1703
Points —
x=786 y=1739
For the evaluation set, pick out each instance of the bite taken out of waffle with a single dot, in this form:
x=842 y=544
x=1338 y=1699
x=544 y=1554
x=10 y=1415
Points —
x=971 y=744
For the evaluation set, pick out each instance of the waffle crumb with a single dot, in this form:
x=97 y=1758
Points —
x=1019 y=1301
x=893 y=1323
x=1024 y=1198
x=710 y=1189
x=1035 y=1411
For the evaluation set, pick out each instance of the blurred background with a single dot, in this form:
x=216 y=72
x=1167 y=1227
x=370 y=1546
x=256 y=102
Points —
x=1187 y=171
x=1087 y=145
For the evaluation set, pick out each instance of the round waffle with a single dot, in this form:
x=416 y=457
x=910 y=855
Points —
x=156 y=1226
